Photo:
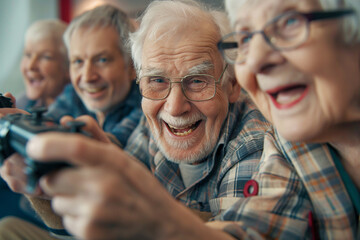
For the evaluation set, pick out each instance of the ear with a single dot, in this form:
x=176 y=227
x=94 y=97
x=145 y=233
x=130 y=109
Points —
x=234 y=90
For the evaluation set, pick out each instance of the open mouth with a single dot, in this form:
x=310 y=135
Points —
x=35 y=82
x=183 y=130
x=288 y=96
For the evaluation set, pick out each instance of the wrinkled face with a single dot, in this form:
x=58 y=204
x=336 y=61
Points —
x=98 y=71
x=44 y=69
x=186 y=131
x=308 y=91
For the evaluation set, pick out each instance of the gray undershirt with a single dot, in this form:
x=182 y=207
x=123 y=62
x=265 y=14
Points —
x=191 y=173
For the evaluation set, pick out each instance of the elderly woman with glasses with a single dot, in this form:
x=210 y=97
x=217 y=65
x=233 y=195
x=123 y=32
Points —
x=300 y=63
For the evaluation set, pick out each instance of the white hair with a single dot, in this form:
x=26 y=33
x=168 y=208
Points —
x=104 y=16
x=173 y=16
x=48 y=29
x=350 y=25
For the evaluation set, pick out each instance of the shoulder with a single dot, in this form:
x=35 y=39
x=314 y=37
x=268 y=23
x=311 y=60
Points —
x=246 y=127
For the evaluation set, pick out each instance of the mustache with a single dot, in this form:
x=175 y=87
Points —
x=181 y=120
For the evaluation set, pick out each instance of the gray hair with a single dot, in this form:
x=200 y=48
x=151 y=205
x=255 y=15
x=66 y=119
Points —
x=172 y=15
x=104 y=16
x=48 y=29
x=350 y=25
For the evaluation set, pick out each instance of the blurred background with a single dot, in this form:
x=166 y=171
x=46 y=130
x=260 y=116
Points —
x=17 y=15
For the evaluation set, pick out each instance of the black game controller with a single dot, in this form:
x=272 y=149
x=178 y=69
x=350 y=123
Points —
x=17 y=129
x=5 y=102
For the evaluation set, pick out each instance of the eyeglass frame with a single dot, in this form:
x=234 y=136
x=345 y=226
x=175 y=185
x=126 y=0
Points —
x=182 y=86
x=311 y=16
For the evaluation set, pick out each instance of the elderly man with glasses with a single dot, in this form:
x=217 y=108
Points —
x=200 y=138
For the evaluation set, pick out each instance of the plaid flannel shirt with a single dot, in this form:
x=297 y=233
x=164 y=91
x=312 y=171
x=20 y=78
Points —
x=301 y=196
x=120 y=122
x=231 y=164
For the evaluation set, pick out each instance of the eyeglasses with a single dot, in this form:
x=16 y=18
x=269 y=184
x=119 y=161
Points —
x=197 y=87
x=284 y=32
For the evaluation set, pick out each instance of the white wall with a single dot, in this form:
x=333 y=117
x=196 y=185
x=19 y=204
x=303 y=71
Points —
x=15 y=17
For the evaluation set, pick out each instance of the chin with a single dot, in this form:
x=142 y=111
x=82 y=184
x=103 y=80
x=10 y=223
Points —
x=183 y=155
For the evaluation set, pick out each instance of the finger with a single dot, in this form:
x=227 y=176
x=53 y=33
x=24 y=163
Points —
x=73 y=225
x=70 y=206
x=92 y=126
x=79 y=150
x=89 y=192
x=66 y=119
x=12 y=171
x=64 y=182
x=6 y=111
x=74 y=148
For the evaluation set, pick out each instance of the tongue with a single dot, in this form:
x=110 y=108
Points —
x=289 y=95
x=36 y=83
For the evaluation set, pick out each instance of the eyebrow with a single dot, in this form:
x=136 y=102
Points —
x=97 y=55
x=151 y=71
x=201 y=68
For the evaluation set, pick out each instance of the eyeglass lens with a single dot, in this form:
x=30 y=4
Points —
x=194 y=87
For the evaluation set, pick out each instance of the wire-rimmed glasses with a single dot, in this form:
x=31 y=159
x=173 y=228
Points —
x=286 y=31
x=195 y=87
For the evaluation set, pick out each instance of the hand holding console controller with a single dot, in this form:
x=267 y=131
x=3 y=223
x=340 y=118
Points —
x=17 y=129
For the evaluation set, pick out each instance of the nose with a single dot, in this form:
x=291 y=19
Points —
x=261 y=55
x=88 y=72
x=32 y=63
x=176 y=103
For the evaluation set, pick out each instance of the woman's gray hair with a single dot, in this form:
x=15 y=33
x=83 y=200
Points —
x=104 y=16
x=350 y=24
x=48 y=29
x=172 y=15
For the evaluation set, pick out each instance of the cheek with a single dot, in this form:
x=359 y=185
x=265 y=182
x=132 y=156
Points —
x=50 y=70
x=246 y=79
x=215 y=112
x=151 y=109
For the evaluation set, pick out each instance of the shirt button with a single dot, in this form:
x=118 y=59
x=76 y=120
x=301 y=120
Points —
x=251 y=188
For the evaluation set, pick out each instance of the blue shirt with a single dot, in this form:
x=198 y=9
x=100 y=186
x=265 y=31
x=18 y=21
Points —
x=120 y=121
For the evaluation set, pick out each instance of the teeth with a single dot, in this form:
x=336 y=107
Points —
x=180 y=127
x=183 y=133
x=286 y=100
x=289 y=96
x=175 y=130
x=93 y=90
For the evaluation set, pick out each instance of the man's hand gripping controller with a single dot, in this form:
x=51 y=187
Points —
x=17 y=129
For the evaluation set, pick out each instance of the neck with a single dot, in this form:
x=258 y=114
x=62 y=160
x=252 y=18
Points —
x=100 y=117
x=46 y=101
